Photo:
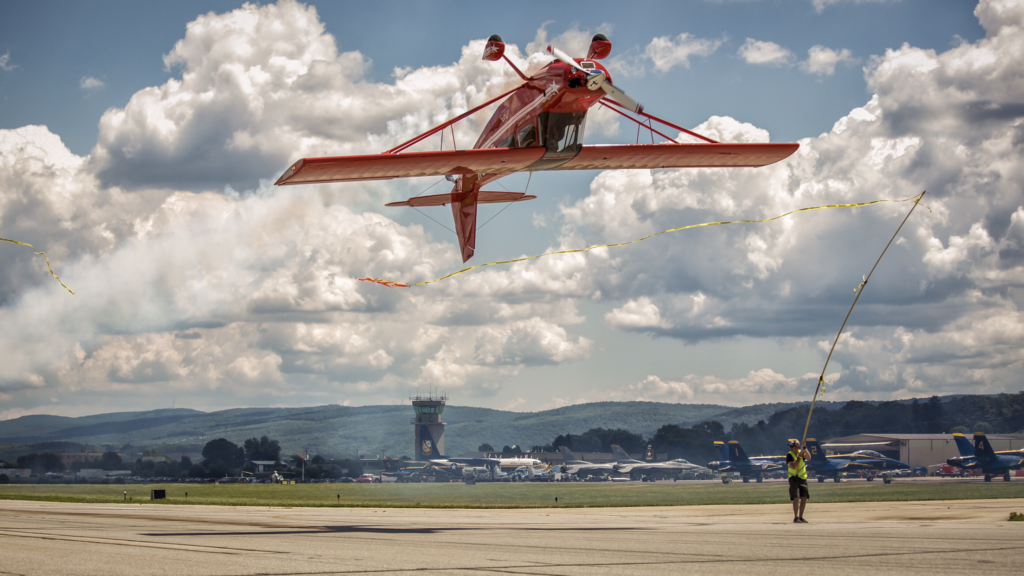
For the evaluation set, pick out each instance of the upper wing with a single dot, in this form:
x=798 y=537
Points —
x=409 y=164
x=617 y=156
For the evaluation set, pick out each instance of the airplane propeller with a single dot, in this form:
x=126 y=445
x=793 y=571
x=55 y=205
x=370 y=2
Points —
x=597 y=79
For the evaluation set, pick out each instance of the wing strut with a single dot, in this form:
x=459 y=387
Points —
x=659 y=120
x=440 y=127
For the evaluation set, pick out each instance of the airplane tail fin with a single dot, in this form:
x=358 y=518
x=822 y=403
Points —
x=963 y=445
x=649 y=455
x=982 y=449
x=736 y=453
x=723 y=450
x=427 y=449
x=568 y=455
x=620 y=454
x=817 y=453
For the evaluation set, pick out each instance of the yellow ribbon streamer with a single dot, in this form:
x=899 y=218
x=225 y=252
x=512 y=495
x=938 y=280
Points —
x=44 y=256
x=394 y=284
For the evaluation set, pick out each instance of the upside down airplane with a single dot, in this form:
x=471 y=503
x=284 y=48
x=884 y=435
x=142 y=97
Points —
x=539 y=126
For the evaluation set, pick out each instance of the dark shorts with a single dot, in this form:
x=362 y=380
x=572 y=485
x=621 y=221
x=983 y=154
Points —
x=798 y=488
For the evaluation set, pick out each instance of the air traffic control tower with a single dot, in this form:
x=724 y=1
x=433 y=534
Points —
x=429 y=426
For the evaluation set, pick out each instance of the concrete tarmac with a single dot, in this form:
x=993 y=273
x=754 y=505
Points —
x=964 y=536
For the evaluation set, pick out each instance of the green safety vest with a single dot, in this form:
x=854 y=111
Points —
x=801 y=468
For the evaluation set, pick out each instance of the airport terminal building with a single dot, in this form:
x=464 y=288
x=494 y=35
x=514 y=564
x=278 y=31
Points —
x=915 y=449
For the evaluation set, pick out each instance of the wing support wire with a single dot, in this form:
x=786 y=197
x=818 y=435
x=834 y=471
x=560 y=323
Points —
x=607 y=102
x=441 y=127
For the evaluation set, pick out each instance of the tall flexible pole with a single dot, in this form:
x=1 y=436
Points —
x=860 y=291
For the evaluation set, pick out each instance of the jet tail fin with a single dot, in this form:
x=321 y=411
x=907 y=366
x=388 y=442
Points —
x=427 y=450
x=568 y=455
x=817 y=453
x=982 y=449
x=620 y=454
x=963 y=445
x=723 y=450
x=736 y=452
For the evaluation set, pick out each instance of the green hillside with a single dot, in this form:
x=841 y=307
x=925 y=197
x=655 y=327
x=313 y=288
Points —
x=344 y=431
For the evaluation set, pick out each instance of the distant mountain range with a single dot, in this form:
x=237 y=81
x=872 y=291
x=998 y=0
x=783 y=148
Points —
x=343 y=431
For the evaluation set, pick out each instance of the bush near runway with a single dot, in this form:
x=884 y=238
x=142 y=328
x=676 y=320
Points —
x=501 y=495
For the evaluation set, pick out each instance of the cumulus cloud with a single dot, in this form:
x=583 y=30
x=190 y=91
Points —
x=667 y=52
x=89 y=83
x=764 y=385
x=764 y=53
x=822 y=61
x=947 y=289
x=253 y=297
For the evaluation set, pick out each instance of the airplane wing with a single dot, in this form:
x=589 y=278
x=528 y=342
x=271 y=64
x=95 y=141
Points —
x=476 y=461
x=507 y=160
x=623 y=156
x=409 y=164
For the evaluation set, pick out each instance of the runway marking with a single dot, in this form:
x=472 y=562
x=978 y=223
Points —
x=516 y=568
x=133 y=543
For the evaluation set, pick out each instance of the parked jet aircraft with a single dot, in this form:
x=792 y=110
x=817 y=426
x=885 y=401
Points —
x=987 y=460
x=411 y=471
x=735 y=459
x=824 y=467
x=635 y=468
x=582 y=468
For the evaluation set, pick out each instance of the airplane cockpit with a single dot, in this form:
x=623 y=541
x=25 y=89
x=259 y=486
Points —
x=868 y=453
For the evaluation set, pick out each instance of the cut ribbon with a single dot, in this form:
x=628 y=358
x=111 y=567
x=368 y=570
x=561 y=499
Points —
x=44 y=256
x=394 y=284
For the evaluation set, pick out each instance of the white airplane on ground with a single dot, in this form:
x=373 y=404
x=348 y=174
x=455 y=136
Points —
x=573 y=465
x=636 y=468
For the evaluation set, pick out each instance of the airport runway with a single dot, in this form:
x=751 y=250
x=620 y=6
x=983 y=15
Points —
x=889 y=538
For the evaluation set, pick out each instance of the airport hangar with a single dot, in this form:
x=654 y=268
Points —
x=916 y=449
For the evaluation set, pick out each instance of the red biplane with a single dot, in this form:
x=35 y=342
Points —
x=538 y=127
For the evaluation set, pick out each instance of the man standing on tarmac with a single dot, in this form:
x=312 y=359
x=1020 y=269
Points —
x=797 y=463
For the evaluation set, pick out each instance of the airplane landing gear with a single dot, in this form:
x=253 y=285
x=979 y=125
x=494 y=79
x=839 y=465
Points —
x=1006 y=477
x=988 y=477
x=821 y=478
x=837 y=479
x=870 y=478
x=746 y=479
x=759 y=479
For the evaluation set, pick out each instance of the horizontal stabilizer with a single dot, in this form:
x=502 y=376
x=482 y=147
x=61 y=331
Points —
x=485 y=197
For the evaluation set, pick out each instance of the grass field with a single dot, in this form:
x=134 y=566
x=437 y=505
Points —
x=532 y=495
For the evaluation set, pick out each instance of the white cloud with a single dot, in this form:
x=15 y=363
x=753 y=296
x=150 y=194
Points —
x=765 y=53
x=667 y=52
x=90 y=83
x=254 y=298
x=764 y=385
x=637 y=314
x=820 y=5
x=822 y=61
x=5 y=62
x=944 y=289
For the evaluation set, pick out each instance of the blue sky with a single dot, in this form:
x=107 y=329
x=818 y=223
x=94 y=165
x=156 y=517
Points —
x=141 y=140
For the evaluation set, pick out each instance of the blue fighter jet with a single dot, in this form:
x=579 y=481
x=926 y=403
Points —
x=823 y=467
x=735 y=459
x=986 y=459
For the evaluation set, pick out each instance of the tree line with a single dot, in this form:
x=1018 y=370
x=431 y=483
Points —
x=999 y=413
